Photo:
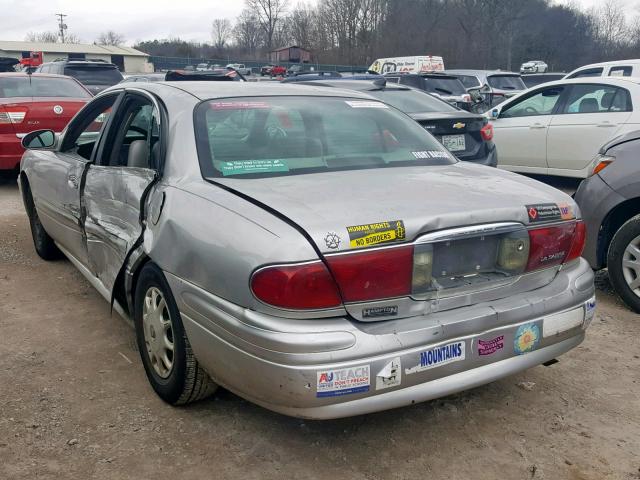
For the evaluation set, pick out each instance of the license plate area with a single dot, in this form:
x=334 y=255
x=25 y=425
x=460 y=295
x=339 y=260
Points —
x=470 y=260
x=454 y=143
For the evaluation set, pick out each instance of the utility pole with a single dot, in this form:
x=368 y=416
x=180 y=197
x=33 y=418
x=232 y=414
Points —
x=61 y=25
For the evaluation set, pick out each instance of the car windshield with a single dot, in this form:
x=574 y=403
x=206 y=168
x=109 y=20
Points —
x=412 y=101
x=94 y=75
x=506 y=82
x=35 y=86
x=444 y=86
x=274 y=136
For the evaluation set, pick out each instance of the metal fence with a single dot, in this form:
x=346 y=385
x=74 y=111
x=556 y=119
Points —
x=176 y=63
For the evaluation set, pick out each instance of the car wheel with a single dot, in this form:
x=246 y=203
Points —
x=171 y=367
x=44 y=245
x=623 y=262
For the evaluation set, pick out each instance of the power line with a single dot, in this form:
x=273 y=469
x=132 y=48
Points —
x=61 y=25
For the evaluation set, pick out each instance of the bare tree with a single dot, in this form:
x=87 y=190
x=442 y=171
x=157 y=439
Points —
x=43 y=37
x=110 y=38
x=611 y=27
x=300 y=25
x=247 y=32
x=220 y=32
x=269 y=14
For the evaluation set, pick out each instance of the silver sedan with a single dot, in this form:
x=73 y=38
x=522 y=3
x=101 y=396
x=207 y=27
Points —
x=312 y=250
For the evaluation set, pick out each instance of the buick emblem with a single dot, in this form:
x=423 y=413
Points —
x=57 y=109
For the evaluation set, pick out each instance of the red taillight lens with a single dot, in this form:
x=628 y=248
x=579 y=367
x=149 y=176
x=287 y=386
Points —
x=14 y=115
x=552 y=246
x=300 y=287
x=373 y=275
x=579 y=239
x=487 y=132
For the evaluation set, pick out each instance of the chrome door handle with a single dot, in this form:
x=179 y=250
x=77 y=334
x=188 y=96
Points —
x=606 y=124
x=537 y=125
x=72 y=181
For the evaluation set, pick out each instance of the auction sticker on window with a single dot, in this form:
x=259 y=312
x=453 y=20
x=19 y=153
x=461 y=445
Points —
x=376 y=233
x=366 y=104
x=243 y=167
x=343 y=381
x=543 y=212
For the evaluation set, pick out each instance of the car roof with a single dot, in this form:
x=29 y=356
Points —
x=613 y=62
x=469 y=71
x=204 y=90
x=619 y=81
x=357 y=85
x=39 y=75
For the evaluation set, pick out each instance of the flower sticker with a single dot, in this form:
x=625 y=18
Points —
x=526 y=339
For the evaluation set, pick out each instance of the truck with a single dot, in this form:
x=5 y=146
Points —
x=417 y=64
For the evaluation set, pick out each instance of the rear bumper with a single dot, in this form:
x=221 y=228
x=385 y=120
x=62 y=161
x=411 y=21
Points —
x=490 y=158
x=331 y=368
x=10 y=151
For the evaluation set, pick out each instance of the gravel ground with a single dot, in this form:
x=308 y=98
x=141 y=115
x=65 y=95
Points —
x=75 y=403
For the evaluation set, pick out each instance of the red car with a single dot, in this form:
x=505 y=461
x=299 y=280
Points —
x=278 y=71
x=34 y=102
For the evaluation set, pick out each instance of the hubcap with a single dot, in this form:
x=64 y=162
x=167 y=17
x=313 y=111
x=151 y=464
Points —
x=158 y=333
x=631 y=265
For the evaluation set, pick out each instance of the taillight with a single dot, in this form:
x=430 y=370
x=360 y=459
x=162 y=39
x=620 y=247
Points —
x=552 y=246
x=487 y=132
x=299 y=287
x=373 y=275
x=13 y=115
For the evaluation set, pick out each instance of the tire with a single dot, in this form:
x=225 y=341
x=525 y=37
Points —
x=174 y=373
x=44 y=245
x=623 y=262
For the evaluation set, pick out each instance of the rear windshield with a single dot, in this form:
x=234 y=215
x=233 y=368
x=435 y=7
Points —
x=444 y=86
x=506 y=82
x=411 y=101
x=469 y=81
x=274 y=136
x=11 y=87
x=94 y=75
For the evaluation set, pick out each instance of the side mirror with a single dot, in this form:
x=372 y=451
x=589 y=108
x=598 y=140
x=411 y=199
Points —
x=495 y=113
x=39 y=140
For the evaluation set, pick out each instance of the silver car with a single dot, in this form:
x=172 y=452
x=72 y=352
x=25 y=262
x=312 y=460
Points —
x=495 y=85
x=313 y=250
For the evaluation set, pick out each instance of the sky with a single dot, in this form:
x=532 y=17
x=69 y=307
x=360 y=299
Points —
x=144 y=19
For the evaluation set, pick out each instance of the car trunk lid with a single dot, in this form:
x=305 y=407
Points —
x=29 y=114
x=458 y=132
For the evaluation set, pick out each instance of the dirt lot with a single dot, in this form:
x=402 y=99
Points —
x=75 y=403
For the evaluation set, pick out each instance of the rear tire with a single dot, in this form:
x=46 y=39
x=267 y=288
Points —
x=171 y=367
x=44 y=245
x=623 y=262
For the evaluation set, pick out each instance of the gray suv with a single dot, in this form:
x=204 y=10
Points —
x=95 y=75
x=610 y=204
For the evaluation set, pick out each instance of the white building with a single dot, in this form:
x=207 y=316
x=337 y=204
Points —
x=127 y=59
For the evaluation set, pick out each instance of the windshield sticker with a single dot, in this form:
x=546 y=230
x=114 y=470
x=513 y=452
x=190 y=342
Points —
x=366 y=104
x=566 y=211
x=237 y=105
x=241 y=167
x=343 y=381
x=527 y=338
x=543 y=212
x=430 y=154
x=376 y=233
x=489 y=347
x=438 y=356
x=390 y=375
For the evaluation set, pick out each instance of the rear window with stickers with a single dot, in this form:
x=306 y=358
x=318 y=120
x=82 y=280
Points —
x=274 y=136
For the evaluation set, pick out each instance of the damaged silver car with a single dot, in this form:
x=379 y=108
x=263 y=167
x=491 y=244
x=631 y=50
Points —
x=313 y=250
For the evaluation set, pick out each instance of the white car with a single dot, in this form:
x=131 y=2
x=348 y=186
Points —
x=534 y=66
x=558 y=127
x=240 y=68
x=617 y=68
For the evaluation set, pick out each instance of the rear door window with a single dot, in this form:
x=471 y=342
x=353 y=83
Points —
x=620 y=71
x=594 y=98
